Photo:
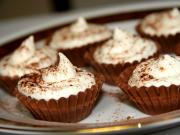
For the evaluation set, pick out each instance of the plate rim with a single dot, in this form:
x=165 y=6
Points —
x=139 y=127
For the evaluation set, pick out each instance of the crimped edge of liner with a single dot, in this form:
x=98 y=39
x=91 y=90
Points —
x=150 y=100
x=71 y=109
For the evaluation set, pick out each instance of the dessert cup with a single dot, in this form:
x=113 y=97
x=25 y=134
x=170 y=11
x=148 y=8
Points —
x=25 y=59
x=150 y=100
x=74 y=40
x=162 y=27
x=62 y=93
x=110 y=70
x=153 y=85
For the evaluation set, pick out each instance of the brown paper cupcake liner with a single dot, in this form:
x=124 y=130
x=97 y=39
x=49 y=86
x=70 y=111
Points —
x=150 y=100
x=71 y=109
x=167 y=42
x=76 y=55
x=110 y=71
x=9 y=84
x=177 y=49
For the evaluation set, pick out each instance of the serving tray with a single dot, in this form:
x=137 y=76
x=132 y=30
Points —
x=113 y=113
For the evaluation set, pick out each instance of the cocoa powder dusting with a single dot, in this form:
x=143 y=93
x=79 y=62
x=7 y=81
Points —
x=146 y=77
x=162 y=69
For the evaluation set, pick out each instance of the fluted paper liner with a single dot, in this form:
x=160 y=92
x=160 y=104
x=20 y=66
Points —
x=167 y=42
x=76 y=54
x=110 y=71
x=151 y=100
x=9 y=84
x=177 y=49
x=71 y=109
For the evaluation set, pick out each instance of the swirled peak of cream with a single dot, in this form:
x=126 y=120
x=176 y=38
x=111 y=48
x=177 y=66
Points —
x=122 y=40
x=124 y=47
x=162 y=23
x=55 y=82
x=79 y=26
x=162 y=71
x=23 y=52
x=63 y=71
x=119 y=34
x=80 y=33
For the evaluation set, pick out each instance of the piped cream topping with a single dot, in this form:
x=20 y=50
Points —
x=79 y=26
x=79 y=34
x=65 y=70
x=26 y=59
x=55 y=82
x=162 y=71
x=162 y=23
x=124 y=47
x=24 y=52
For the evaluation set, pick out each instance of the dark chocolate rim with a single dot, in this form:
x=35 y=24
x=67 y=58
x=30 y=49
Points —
x=167 y=42
x=151 y=100
x=111 y=71
x=71 y=109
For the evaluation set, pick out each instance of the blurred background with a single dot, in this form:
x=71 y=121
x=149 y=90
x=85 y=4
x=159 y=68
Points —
x=24 y=8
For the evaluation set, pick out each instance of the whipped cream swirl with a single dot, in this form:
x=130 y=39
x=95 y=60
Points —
x=55 y=82
x=26 y=59
x=124 y=48
x=79 y=34
x=162 y=23
x=79 y=26
x=162 y=71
